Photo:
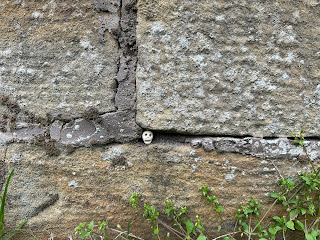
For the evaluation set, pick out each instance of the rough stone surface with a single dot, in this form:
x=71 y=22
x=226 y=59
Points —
x=83 y=94
x=51 y=60
x=57 y=193
x=125 y=98
x=2 y=170
x=112 y=127
x=262 y=148
x=233 y=68
x=207 y=68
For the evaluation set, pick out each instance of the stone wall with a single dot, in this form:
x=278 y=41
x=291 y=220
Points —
x=229 y=68
x=221 y=84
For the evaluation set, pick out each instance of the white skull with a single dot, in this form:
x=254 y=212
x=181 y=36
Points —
x=147 y=137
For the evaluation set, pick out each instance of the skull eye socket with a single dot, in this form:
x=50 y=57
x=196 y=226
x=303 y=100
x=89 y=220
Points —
x=146 y=134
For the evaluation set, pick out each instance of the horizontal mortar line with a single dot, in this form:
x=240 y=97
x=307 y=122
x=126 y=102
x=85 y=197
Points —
x=164 y=134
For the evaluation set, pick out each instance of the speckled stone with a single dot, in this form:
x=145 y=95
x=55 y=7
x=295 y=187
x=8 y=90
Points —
x=52 y=62
x=56 y=193
x=234 y=68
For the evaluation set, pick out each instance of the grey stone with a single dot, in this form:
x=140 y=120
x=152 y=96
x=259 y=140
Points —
x=280 y=148
x=196 y=143
x=27 y=134
x=111 y=127
x=112 y=24
x=55 y=129
x=78 y=132
x=52 y=62
x=244 y=68
x=107 y=5
x=5 y=138
x=75 y=85
x=126 y=92
x=121 y=126
x=207 y=144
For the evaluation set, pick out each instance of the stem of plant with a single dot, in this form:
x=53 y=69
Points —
x=269 y=209
x=305 y=150
x=130 y=234
x=174 y=231
x=249 y=236
x=225 y=235
x=234 y=229
x=224 y=226
x=181 y=228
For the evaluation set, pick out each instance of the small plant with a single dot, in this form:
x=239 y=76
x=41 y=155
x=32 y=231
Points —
x=300 y=200
x=5 y=234
x=188 y=230
x=102 y=231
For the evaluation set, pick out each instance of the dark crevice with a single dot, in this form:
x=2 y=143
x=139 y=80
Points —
x=52 y=200
x=173 y=133
x=307 y=138
x=270 y=138
x=119 y=54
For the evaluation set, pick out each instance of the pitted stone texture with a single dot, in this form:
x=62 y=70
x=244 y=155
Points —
x=57 y=193
x=121 y=23
x=51 y=60
x=233 y=68
x=262 y=148
x=125 y=98
x=111 y=6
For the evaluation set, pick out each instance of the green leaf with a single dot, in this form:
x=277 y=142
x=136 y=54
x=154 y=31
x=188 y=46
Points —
x=90 y=227
x=84 y=234
x=274 y=195
x=153 y=209
x=293 y=214
x=156 y=231
x=17 y=229
x=202 y=237
x=128 y=229
x=309 y=236
x=274 y=229
x=219 y=208
x=299 y=225
x=314 y=232
x=245 y=227
x=189 y=226
x=3 y=198
x=290 y=225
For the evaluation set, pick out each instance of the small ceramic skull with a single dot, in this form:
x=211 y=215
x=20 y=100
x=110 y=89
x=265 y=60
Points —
x=147 y=137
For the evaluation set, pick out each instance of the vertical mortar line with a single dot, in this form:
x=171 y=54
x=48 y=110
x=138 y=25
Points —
x=119 y=55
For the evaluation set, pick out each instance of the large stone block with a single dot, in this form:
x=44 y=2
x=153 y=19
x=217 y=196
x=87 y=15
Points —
x=52 y=62
x=56 y=193
x=229 y=67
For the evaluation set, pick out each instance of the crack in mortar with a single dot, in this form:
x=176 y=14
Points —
x=275 y=148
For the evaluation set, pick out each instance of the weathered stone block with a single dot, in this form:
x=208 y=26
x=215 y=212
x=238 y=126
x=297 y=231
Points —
x=51 y=60
x=229 y=68
x=56 y=193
